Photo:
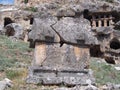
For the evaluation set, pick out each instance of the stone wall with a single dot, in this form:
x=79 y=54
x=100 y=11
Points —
x=61 y=58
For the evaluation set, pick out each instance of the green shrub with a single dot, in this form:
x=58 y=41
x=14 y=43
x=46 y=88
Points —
x=12 y=74
x=25 y=1
x=33 y=9
x=104 y=72
x=110 y=1
x=12 y=52
x=6 y=63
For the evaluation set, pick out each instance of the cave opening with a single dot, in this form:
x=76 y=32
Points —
x=7 y=21
x=115 y=44
x=31 y=21
x=107 y=23
x=95 y=51
x=86 y=15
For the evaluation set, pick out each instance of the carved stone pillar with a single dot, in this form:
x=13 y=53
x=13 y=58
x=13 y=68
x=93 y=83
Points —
x=111 y=21
x=105 y=21
x=93 y=22
x=39 y=53
x=99 y=22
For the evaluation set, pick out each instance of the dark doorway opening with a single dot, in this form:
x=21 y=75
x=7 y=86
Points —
x=86 y=15
x=102 y=23
x=7 y=21
x=97 y=24
x=115 y=44
x=95 y=51
x=108 y=23
x=31 y=20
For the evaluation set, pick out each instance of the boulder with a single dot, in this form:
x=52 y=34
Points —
x=5 y=83
x=15 y=30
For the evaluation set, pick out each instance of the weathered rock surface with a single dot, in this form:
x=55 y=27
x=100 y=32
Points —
x=56 y=77
x=75 y=30
x=5 y=83
x=65 y=57
x=104 y=30
x=41 y=30
x=110 y=86
x=67 y=30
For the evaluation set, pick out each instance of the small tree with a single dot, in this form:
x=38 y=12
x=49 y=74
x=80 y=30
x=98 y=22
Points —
x=25 y=1
x=110 y=1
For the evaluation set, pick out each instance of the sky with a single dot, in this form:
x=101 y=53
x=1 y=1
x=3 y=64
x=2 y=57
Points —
x=6 y=2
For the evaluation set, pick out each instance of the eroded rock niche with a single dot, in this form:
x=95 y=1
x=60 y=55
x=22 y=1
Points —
x=7 y=21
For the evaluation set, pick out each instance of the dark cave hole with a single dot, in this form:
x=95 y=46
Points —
x=86 y=15
x=7 y=21
x=31 y=20
x=107 y=23
x=115 y=44
x=110 y=60
x=95 y=51
x=96 y=17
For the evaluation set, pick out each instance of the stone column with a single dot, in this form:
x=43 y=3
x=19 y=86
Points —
x=105 y=21
x=93 y=22
x=39 y=53
x=111 y=20
x=99 y=22
x=26 y=37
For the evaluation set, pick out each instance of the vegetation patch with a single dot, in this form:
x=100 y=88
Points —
x=13 y=74
x=32 y=9
x=110 y=1
x=15 y=57
x=104 y=72
x=12 y=52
